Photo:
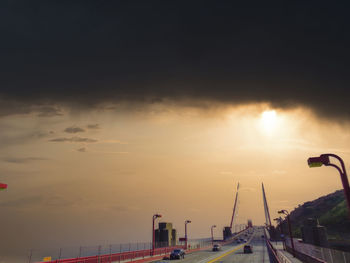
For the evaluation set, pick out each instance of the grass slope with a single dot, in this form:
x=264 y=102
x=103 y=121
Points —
x=331 y=211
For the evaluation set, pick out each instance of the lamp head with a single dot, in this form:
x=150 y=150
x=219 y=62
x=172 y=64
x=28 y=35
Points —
x=188 y=221
x=323 y=159
x=3 y=186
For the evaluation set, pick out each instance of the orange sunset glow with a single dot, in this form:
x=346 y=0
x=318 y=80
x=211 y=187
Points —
x=147 y=130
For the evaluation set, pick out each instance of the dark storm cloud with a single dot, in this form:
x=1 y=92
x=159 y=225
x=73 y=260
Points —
x=86 y=53
x=13 y=106
x=73 y=139
x=48 y=111
x=74 y=130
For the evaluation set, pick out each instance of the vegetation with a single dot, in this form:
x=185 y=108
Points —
x=331 y=211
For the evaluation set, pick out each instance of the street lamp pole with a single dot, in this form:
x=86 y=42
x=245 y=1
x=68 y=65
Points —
x=212 y=235
x=186 y=222
x=155 y=216
x=285 y=212
x=279 y=220
x=323 y=159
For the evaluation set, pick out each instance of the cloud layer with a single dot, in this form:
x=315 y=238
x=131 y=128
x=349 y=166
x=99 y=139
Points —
x=90 y=53
x=73 y=139
x=20 y=160
x=73 y=129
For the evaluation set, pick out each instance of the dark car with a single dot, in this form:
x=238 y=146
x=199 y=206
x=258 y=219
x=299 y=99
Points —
x=248 y=249
x=216 y=247
x=177 y=254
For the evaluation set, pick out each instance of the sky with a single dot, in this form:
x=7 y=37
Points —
x=112 y=111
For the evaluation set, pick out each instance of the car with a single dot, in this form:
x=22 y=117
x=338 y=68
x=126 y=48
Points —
x=177 y=254
x=216 y=247
x=248 y=249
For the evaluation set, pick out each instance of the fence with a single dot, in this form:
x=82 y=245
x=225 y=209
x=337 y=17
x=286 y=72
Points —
x=320 y=254
x=113 y=252
x=105 y=253
x=270 y=249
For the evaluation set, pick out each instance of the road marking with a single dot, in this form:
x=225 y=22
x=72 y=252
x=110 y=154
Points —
x=227 y=253
x=231 y=251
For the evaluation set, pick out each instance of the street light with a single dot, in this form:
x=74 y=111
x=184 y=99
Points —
x=285 y=212
x=212 y=235
x=279 y=220
x=186 y=222
x=155 y=216
x=3 y=186
x=323 y=159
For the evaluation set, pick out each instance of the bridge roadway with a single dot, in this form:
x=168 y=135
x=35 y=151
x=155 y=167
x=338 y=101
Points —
x=231 y=252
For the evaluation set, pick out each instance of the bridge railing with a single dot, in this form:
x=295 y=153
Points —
x=115 y=252
x=273 y=253
x=86 y=253
x=310 y=253
x=233 y=237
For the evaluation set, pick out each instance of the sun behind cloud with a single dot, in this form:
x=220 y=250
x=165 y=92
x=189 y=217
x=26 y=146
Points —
x=268 y=121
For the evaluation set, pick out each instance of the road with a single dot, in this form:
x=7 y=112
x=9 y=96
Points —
x=231 y=253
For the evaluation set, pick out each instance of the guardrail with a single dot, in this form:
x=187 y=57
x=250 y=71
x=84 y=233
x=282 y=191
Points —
x=305 y=257
x=273 y=253
x=310 y=253
x=232 y=239
x=107 y=254
x=282 y=257
x=117 y=257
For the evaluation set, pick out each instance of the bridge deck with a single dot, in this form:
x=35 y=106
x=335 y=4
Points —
x=231 y=253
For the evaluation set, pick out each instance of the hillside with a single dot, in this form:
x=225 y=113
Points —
x=331 y=211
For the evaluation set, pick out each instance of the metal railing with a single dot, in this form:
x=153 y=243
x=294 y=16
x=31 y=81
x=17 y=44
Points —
x=320 y=253
x=271 y=250
x=108 y=253
x=119 y=252
x=114 y=252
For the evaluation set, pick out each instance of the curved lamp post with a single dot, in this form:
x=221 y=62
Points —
x=285 y=212
x=323 y=159
x=186 y=222
x=3 y=186
x=212 y=235
x=155 y=216
x=279 y=221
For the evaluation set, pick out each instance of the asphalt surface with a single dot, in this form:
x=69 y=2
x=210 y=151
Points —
x=232 y=252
